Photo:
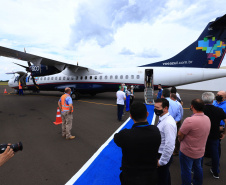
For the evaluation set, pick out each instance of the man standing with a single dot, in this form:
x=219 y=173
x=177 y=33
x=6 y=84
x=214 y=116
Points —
x=20 y=88
x=215 y=114
x=173 y=97
x=221 y=102
x=174 y=108
x=139 y=149
x=121 y=97
x=160 y=91
x=193 y=136
x=66 y=107
x=168 y=130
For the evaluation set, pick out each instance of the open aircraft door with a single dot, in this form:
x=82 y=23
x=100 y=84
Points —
x=148 y=86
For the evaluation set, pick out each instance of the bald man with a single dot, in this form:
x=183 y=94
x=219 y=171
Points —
x=66 y=108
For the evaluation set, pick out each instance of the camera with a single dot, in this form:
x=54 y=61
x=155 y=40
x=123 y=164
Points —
x=16 y=147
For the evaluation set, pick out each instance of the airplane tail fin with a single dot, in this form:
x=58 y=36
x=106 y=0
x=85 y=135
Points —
x=207 y=51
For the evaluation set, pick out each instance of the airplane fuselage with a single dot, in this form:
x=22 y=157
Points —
x=110 y=79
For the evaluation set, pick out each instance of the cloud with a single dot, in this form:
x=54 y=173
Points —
x=149 y=53
x=125 y=51
x=99 y=20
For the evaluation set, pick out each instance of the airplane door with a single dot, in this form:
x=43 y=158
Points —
x=148 y=86
x=22 y=79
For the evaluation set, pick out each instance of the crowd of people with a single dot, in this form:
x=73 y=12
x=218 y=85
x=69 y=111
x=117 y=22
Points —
x=148 y=150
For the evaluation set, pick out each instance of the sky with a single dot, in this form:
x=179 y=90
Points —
x=102 y=33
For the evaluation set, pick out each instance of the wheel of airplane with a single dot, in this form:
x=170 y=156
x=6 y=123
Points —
x=75 y=95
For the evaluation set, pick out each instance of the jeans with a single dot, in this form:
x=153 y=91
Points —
x=120 y=111
x=213 y=145
x=186 y=164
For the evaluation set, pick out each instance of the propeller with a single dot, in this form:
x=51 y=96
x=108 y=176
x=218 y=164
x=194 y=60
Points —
x=28 y=69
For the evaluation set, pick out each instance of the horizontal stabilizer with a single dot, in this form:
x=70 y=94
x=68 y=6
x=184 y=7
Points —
x=219 y=23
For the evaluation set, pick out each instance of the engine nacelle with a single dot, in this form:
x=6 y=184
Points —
x=43 y=70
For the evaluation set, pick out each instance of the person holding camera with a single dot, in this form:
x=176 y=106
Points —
x=6 y=155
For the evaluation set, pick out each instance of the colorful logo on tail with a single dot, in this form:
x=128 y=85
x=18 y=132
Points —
x=212 y=47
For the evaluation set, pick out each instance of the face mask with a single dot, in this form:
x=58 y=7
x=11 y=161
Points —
x=158 y=112
x=219 y=98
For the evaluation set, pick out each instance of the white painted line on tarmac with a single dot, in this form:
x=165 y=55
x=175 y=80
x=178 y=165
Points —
x=89 y=162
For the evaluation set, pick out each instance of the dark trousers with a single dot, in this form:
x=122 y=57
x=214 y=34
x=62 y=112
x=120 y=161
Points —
x=177 y=143
x=164 y=177
x=139 y=179
x=120 y=111
x=213 y=145
x=21 y=92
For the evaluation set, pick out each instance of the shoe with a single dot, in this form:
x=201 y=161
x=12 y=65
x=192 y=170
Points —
x=216 y=176
x=72 y=137
x=208 y=163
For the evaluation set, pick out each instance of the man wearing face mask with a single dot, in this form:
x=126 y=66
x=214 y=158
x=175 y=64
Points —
x=220 y=102
x=66 y=107
x=168 y=130
x=160 y=91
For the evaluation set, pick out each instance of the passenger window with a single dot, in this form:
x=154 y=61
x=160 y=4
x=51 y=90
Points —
x=51 y=78
x=72 y=78
x=41 y=78
x=90 y=77
x=48 y=78
x=68 y=78
x=132 y=76
x=95 y=77
x=111 y=77
x=64 y=78
x=138 y=76
x=106 y=77
x=44 y=78
x=100 y=77
x=60 y=78
x=85 y=77
x=121 y=76
x=55 y=78
x=116 y=76
x=81 y=78
x=127 y=76
x=76 y=77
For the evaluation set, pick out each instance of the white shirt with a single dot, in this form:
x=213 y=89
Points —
x=168 y=130
x=120 y=97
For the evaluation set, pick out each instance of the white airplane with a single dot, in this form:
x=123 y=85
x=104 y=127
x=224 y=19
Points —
x=198 y=62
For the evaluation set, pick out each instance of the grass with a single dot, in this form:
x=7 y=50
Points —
x=3 y=83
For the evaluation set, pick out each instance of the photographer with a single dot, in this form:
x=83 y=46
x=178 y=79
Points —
x=6 y=155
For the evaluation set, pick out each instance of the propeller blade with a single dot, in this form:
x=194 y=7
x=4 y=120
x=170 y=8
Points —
x=21 y=65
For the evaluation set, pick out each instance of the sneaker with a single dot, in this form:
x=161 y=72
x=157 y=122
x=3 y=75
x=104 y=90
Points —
x=216 y=176
x=72 y=137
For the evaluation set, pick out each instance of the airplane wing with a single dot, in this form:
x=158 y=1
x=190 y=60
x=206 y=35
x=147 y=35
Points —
x=36 y=60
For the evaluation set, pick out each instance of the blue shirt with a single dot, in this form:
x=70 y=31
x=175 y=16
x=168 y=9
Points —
x=68 y=100
x=159 y=94
x=174 y=109
x=221 y=105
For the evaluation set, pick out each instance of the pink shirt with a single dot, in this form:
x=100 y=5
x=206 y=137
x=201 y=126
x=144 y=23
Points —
x=196 y=130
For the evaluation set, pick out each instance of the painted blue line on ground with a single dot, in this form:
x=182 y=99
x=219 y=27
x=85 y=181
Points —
x=105 y=167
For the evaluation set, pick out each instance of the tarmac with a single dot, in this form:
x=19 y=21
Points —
x=47 y=158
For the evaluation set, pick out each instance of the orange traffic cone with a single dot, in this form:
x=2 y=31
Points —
x=5 y=92
x=58 y=117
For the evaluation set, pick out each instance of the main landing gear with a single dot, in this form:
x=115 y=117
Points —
x=75 y=95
